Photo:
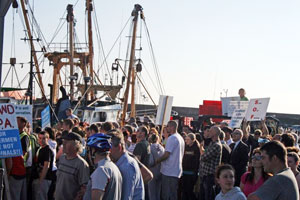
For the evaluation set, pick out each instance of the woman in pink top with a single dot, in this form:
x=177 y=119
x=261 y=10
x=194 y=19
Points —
x=251 y=181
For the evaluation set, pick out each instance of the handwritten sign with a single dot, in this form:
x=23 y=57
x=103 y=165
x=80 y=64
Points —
x=237 y=118
x=235 y=105
x=24 y=111
x=226 y=105
x=46 y=117
x=257 y=109
x=164 y=109
x=10 y=145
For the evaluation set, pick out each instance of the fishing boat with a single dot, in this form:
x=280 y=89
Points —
x=73 y=69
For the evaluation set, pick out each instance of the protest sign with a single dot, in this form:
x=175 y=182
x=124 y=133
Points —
x=46 y=117
x=237 y=118
x=225 y=104
x=24 y=111
x=257 y=109
x=235 y=105
x=10 y=145
x=164 y=109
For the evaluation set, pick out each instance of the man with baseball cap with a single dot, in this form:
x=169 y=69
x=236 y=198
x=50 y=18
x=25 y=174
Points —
x=106 y=181
x=73 y=171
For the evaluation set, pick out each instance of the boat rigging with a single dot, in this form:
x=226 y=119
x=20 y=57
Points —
x=75 y=61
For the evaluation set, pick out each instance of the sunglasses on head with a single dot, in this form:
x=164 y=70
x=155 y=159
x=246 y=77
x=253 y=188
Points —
x=258 y=157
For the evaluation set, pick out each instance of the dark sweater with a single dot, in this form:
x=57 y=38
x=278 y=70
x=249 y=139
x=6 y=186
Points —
x=191 y=158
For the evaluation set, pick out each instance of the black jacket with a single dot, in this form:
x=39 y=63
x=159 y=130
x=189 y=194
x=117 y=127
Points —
x=239 y=159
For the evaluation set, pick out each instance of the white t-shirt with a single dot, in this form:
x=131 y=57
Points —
x=173 y=165
x=53 y=145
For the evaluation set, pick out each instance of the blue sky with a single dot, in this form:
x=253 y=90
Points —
x=202 y=47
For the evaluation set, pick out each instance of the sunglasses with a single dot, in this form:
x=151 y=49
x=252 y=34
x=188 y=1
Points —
x=256 y=157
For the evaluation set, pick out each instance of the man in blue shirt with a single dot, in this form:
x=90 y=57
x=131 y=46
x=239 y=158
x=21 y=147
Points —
x=132 y=186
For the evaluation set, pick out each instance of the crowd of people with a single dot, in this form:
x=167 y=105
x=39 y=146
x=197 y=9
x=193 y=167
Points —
x=75 y=160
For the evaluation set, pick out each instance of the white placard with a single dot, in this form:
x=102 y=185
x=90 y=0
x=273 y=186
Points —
x=226 y=102
x=164 y=110
x=234 y=105
x=237 y=118
x=257 y=109
x=24 y=111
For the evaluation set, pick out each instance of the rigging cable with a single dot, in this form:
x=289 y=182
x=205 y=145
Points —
x=159 y=79
x=13 y=41
x=139 y=58
x=13 y=54
x=113 y=45
x=12 y=50
x=37 y=31
x=47 y=99
x=57 y=30
x=128 y=47
x=100 y=44
x=151 y=79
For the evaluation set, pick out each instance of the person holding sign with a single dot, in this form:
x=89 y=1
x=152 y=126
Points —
x=15 y=166
x=242 y=93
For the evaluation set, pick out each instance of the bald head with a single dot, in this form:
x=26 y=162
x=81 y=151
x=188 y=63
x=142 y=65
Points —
x=237 y=135
x=172 y=127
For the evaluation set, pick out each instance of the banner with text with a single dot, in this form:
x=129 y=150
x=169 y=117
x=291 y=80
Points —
x=257 y=109
x=237 y=118
x=164 y=110
x=24 y=111
x=46 y=117
x=226 y=105
x=235 y=105
x=10 y=145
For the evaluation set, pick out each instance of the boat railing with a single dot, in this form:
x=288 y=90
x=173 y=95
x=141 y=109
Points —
x=146 y=112
x=64 y=47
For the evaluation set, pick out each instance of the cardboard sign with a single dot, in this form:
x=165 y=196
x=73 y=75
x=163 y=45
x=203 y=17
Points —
x=10 y=145
x=257 y=109
x=226 y=104
x=46 y=117
x=24 y=111
x=164 y=110
x=237 y=118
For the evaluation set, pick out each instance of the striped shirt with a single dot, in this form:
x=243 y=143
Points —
x=71 y=175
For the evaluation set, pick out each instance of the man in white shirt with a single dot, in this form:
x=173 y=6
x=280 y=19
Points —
x=171 y=162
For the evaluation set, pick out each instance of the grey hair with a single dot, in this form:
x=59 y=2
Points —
x=117 y=138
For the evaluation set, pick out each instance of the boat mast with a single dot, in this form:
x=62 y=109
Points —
x=89 y=8
x=33 y=52
x=70 y=19
x=131 y=71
